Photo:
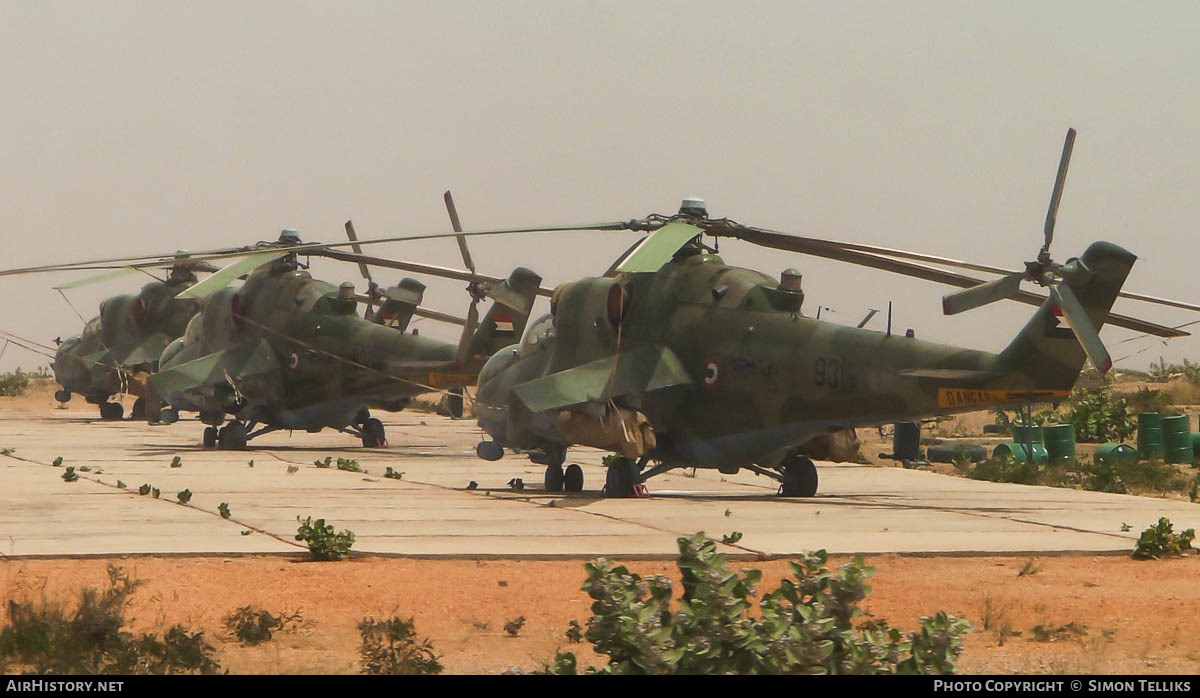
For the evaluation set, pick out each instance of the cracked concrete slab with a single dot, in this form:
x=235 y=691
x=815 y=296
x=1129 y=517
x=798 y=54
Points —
x=430 y=512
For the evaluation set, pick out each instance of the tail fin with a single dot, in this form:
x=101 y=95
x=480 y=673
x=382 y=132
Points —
x=503 y=325
x=1046 y=354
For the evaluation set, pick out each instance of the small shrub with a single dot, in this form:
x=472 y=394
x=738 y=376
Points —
x=1005 y=469
x=177 y=462
x=184 y=496
x=391 y=647
x=58 y=461
x=350 y=465
x=731 y=538
x=513 y=627
x=155 y=492
x=394 y=475
x=144 y=489
x=574 y=632
x=121 y=484
x=805 y=626
x=223 y=510
x=45 y=638
x=1160 y=541
x=323 y=543
x=254 y=626
x=14 y=384
x=327 y=463
x=69 y=474
x=1070 y=631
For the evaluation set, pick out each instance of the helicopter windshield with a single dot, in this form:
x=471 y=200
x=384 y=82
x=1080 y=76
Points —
x=537 y=335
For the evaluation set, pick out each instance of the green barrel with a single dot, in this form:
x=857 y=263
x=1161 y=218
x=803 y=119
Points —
x=1017 y=453
x=1024 y=435
x=944 y=453
x=1150 y=441
x=1195 y=447
x=1177 y=439
x=1117 y=454
x=1060 y=442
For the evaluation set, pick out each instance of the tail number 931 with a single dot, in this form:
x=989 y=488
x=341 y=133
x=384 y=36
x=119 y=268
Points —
x=831 y=373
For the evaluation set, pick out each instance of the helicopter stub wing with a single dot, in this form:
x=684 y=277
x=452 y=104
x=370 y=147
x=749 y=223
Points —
x=658 y=247
x=243 y=361
x=146 y=351
x=639 y=370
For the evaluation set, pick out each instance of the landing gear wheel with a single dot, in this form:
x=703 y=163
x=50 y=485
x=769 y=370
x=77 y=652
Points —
x=622 y=478
x=554 y=478
x=799 y=477
x=210 y=437
x=454 y=403
x=489 y=450
x=169 y=416
x=373 y=435
x=139 y=409
x=62 y=395
x=111 y=411
x=232 y=437
x=363 y=415
x=573 y=479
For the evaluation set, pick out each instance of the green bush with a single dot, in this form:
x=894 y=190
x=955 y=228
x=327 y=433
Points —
x=322 y=542
x=1098 y=417
x=254 y=626
x=803 y=627
x=1005 y=469
x=1160 y=541
x=391 y=647
x=46 y=639
x=14 y=384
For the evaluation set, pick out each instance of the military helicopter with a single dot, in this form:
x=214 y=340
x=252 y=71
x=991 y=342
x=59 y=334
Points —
x=675 y=357
x=287 y=351
x=122 y=345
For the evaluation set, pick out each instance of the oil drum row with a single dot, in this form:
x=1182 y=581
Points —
x=1168 y=438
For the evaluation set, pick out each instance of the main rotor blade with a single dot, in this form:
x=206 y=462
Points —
x=148 y=261
x=1059 y=182
x=357 y=250
x=1004 y=287
x=96 y=278
x=454 y=223
x=1081 y=325
x=820 y=248
x=431 y=269
x=221 y=279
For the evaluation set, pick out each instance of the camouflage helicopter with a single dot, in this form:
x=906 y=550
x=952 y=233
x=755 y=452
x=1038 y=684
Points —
x=287 y=351
x=121 y=346
x=677 y=358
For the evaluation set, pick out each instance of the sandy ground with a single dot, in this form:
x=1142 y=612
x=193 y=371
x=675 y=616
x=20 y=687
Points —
x=1137 y=617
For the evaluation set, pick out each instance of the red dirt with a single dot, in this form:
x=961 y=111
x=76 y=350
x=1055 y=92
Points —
x=1139 y=616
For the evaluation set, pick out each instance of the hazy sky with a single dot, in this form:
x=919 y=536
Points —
x=143 y=127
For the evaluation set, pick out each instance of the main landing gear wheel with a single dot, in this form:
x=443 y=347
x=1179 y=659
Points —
x=573 y=478
x=489 y=450
x=169 y=416
x=554 y=478
x=210 y=437
x=373 y=435
x=232 y=437
x=799 y=477
x=111 y=411
x=138 y=412
x=63 y=395
x=621 y=479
